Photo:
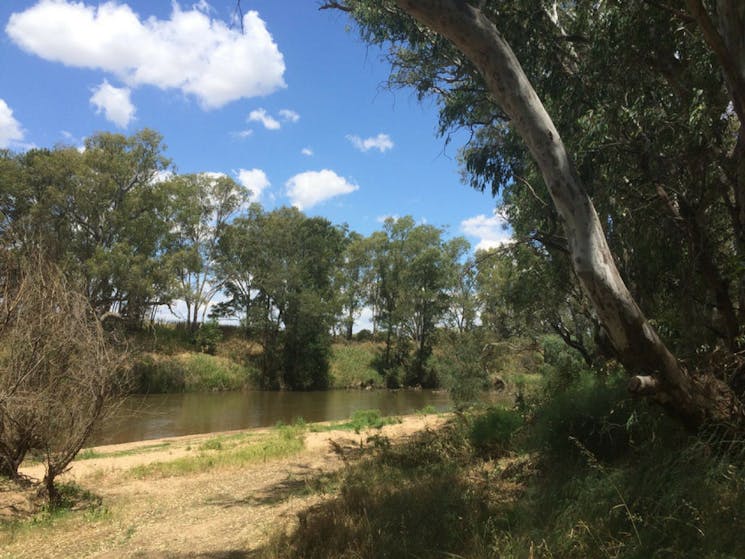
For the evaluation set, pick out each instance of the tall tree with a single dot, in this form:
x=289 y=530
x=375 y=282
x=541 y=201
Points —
x=415 y=271
x=279 y=269
x=203 y=205
x=100 y=212
x=455 y=49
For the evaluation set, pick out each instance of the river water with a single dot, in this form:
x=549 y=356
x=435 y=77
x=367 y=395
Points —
x=166 y=415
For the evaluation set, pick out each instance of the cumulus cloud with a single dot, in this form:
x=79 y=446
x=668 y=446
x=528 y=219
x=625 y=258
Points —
x=307 y=189
x=306 y=151
x=260 y=115
x=255 y=180
x=114 y=103
x=491 y=231
x=381 y=142
x=10 y=128
x=190 y=51
x=288 y=115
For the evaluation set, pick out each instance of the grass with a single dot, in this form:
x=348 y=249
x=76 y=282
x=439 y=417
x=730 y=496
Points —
x=360 y=420
x=90 y=453
x=216 y=453
x=352 y=365
x=591 y=474
x=74 y=501
x=189 y=372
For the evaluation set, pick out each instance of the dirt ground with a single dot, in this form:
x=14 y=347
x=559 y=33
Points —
x=224 y=513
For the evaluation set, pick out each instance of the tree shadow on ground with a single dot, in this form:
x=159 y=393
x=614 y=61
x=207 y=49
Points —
x=304 y=480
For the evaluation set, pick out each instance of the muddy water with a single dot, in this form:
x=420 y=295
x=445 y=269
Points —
x=166 y=415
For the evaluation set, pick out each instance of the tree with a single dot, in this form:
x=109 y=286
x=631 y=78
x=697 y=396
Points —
x=414 y=272
x=352 y=280
x=58 y=373
x=102 y=213
x=460 y=41
x=279 y=269
x=203 y=205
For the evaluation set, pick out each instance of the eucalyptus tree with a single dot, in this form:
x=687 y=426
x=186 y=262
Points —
x=100 y=212
x=203 y=205
x=606 y=169
x=352 y=281
x=415 y=272
x=279 y=270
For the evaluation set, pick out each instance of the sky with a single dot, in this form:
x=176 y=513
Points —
x=291 y=104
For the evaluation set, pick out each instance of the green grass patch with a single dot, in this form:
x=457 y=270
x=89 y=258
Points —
x=352 y=365
x=279 y=443
x=360 y=420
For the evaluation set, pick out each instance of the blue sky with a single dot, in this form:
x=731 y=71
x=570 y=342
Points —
x=294 y=107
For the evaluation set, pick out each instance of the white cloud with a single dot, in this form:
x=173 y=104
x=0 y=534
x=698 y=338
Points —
x=10 y=128
x=306 y=151
x=255 y=180
x=260 y=115
x=289 y=115
x=242 y=134
x=491 y=231
x=307 y=189
x=381 y=142
x=114 y=102
x=190 y=51
x=382 y=218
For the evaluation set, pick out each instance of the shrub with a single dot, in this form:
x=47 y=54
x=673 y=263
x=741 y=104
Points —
x=491 y=431
x=207 y=337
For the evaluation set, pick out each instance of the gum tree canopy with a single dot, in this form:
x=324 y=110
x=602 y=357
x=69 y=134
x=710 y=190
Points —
x=631 y=113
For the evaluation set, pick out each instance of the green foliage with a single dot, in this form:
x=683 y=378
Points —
x=361 y=420
x=413 y=270
x=457 y=361
x=278 y=268
x=586 y=413
x=491 y=431
x=207 y=337
x=370 y=419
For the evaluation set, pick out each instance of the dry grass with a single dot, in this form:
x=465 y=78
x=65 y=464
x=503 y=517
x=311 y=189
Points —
x=225 y=510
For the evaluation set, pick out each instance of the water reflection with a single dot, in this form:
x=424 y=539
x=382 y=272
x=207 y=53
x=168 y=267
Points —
x=166 y=415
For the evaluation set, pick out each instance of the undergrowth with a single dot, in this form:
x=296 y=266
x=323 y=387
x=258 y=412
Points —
x=579 y=471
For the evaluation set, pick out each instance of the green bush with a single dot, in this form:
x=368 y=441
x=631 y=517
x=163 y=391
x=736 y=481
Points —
x=207 y=337
x=491 y=431
x=590 y=413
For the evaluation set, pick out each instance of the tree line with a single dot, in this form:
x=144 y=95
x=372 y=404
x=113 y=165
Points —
x=134 y=236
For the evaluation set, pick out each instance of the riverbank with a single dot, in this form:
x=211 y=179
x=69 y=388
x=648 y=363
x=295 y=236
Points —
x=217 y=495
x=169 y=362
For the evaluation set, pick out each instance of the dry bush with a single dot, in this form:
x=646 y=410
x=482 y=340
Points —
x=58 y=371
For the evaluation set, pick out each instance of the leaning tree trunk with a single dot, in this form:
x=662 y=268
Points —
x=693 y=398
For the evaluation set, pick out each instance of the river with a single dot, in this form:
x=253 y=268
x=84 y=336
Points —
x=153 y=416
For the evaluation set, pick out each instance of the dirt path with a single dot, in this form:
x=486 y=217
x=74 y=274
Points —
x=218 y=514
